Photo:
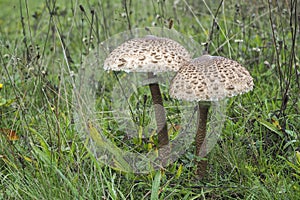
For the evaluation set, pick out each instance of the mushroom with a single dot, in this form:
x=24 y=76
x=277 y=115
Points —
x=150 y=54
x=206 y=79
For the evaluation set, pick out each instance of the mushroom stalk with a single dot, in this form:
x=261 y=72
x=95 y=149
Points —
x=160 y=114
x=200 y=136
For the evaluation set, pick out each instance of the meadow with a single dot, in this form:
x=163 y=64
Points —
x=44 y=44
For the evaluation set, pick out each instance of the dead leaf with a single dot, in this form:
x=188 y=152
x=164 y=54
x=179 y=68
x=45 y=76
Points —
x=10 y=134
x=276 y=123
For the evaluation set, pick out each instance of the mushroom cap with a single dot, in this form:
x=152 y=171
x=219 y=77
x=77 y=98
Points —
x=210 y=78
x=147 y=54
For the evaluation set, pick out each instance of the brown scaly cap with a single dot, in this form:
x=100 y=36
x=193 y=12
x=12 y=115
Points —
x=210 y=78
x=147 y=54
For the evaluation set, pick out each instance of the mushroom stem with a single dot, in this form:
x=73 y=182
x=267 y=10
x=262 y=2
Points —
x=200 y=136
x=160 y=114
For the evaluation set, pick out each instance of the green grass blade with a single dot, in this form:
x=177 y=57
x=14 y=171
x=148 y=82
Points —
x=156 y=186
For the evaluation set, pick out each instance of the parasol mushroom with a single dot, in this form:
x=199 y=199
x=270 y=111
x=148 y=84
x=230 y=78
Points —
x=205 y=79
x=153 y=55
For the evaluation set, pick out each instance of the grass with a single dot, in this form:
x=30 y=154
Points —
x=43 y=45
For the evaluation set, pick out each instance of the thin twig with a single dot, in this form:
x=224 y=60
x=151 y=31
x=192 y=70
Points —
x=206 y=49
x=127 y=14
x=275 y=46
